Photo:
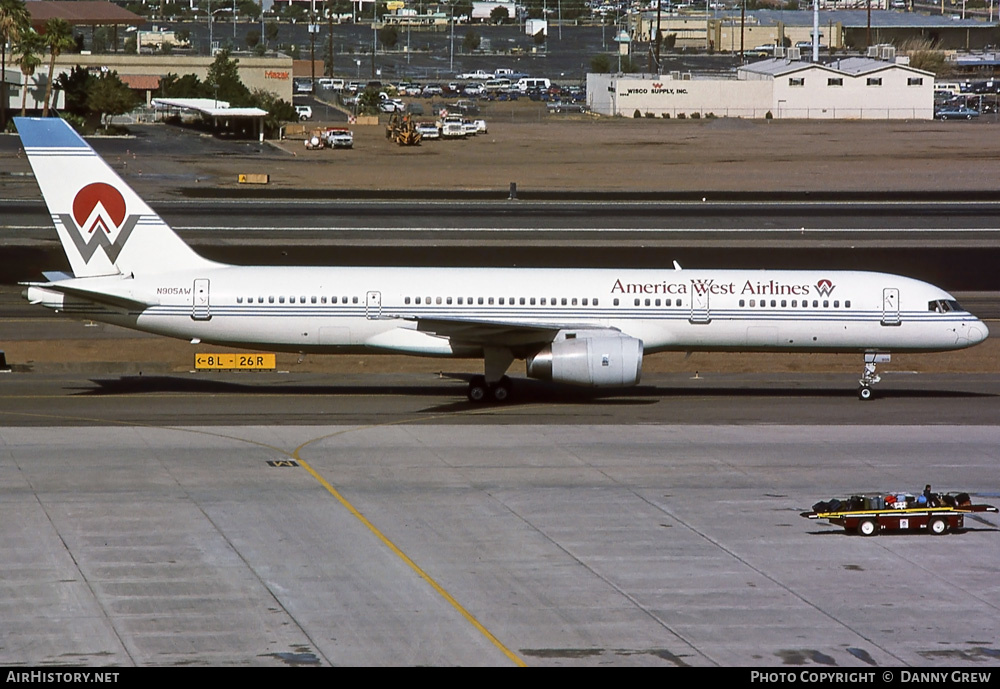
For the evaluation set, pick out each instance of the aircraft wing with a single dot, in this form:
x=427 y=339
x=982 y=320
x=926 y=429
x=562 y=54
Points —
x=493 y=333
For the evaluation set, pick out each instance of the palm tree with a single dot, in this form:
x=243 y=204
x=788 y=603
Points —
x=58 y=37
x=28 y=47
x=14 y=19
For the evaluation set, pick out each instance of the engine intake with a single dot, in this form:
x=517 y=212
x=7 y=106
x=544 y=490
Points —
x=596 y=361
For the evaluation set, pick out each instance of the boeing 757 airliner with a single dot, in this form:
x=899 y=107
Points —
x=575 y=326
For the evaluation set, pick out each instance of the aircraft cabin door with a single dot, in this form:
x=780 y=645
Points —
x=890 y=306
x=373 y=305
x=699 y=303
x=200 y=303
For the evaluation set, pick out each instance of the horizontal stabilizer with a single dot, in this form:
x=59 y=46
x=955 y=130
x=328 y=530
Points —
x=57 y=275
x=119 y=296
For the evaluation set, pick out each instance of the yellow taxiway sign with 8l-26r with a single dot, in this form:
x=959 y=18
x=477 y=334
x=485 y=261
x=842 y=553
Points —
x=234 y=361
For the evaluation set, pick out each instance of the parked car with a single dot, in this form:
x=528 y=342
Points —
x=390 y=105
x=479 y=75
x=959 y=113
x=304 y=112
x=565 y=106
x=466 y=107
x=428 y=130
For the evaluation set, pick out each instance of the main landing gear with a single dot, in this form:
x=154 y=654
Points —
x=495 y=385
x=481 y=391
x=869 y=377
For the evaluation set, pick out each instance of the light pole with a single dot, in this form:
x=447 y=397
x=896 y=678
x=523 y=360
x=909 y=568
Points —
x=313 y=30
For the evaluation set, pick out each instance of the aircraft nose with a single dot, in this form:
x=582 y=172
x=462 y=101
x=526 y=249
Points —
x=975 y=331
x=978 y=332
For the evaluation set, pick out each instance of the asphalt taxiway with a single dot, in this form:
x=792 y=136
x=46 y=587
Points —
x=213 y=520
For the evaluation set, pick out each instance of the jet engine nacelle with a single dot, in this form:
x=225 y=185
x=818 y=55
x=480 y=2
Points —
x=598 y=361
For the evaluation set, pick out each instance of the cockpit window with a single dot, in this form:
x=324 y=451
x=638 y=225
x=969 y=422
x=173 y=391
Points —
x=944 y=306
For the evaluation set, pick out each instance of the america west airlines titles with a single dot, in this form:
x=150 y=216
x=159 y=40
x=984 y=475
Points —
x=709 y=286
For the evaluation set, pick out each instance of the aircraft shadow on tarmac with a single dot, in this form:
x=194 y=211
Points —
x=525 y=391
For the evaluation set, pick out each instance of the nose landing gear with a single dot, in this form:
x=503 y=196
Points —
x=869 y=377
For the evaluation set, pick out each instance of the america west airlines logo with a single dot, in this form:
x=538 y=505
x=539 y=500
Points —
x=825 y=287
x=99 y=220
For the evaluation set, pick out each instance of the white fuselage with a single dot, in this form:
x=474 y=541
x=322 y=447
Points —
x=316 y=309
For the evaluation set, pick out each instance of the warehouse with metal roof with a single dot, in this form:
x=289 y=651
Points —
x=850 y=88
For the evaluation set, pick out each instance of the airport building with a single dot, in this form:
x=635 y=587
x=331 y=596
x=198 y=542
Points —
x=269 y=73
x=851 y=88
x=732 y=31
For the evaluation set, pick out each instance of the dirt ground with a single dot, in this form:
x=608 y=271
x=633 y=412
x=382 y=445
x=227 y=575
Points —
x=546 y=152
x=571 y=152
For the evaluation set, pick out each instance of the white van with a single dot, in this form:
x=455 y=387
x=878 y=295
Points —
x=331 y=84
x=529 y=83
x=494 y=85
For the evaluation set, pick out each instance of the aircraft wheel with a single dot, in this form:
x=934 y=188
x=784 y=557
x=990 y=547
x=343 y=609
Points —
x=868 y=527
x=501 y=390
x=937 y=526
x=477 y=389
x=864 y=393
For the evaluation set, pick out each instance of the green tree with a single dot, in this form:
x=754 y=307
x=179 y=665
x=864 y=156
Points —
x=14 y=19
x=224 y=81
x=75 y=85
x=253 y=38
x=271 y=32
x=499 y=15
x=99 y=42
x=471 y=42
x=28 y=46
x=187 y=86
x=249 y=9
x=278 y=110
x=58 y=38
x=109 y=96
x=388 y=36
x=601 y=64
x=629 y=65
x=368 y=101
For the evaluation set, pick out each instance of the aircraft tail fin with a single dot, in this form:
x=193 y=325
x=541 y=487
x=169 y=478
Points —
x=105 y=227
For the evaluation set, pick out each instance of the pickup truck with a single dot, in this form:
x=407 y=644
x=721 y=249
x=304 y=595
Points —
x=339 y=138
x=452 y=127
x=478 y=75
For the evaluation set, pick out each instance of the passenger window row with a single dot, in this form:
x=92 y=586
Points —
x=795 y=303
x=504 y=301
x=301 y=300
